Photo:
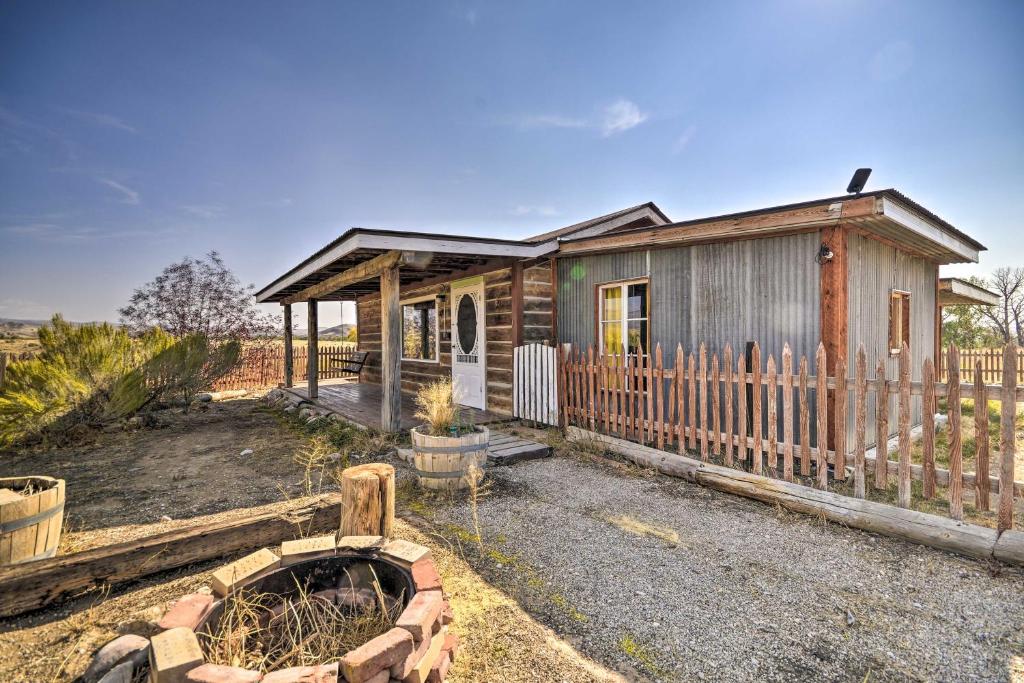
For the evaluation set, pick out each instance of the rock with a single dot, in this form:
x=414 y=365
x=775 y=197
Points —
x=166 y=518
x=120 y=649
x=122 y=673
x=247 y=451
x=215 y=673
x=290 y=409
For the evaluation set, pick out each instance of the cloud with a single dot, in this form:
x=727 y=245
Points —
x=526 y=210
x=103 y=120
x=620 y=116
x=207 y=211
x=551 y=121
x=59 y=234
x=128 y=195
x=683 y=140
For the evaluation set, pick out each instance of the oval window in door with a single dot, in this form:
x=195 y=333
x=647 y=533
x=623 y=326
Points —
x=466 y=317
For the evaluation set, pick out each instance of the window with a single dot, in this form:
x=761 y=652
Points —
x=419 y=330
x=622 y=315
x=899 y=321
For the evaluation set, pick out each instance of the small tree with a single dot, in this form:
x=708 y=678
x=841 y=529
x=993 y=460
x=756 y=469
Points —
x=1008 y=315
x=197 y=297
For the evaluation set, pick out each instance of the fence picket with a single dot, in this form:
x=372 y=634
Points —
x=741 y=407
x=903 y=473
x=590 y=384
x=623 y=424
x=860 y=409
x=716 y=408
x=602 y=380
x=703 y=403
x=692 y=398
x=805 y=421
x=821 y=393
x=670 y=424
x=659 y=400
x=1007 y=437
x=773 y=417
x=928 y=430
x=728 y=425
x=981 y=469
x=956 y=500
x=839 y=471
x=881 y=429
x=755 y=367
x=680 y=422
x=787 y=412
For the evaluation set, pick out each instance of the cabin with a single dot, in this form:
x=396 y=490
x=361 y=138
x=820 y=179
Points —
x=840 y=271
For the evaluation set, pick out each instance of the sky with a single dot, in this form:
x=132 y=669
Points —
x=134 y=134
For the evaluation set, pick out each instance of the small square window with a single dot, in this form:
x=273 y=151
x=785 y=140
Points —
x=899 y=321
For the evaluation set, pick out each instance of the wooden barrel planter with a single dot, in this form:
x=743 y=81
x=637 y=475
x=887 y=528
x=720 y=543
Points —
x=446 y=463
x=31 y=515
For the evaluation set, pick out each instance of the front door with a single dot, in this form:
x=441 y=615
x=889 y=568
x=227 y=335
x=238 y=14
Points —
x=469 y=372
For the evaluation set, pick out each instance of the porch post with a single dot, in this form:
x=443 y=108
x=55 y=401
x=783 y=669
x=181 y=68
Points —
x=312 y=349
x=288 y=366
x=390 y=351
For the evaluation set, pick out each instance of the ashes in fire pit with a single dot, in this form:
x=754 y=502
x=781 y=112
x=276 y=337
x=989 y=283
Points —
x=360 y=610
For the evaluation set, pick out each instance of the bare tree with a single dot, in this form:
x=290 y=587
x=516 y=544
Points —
x=1007 y=316
x=197 y=297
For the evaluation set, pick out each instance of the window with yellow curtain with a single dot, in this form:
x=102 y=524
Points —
x=622 y=316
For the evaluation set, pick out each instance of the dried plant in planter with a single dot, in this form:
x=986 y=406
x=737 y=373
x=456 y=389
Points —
x=265 y=632
x=438 y=409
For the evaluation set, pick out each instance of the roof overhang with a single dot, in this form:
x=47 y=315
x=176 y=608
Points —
x=426 y=255
x=954 y=292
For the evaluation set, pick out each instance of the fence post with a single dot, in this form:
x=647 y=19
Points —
x=3 y=367
x=881 y=428
x=928 y=429
x=821 y=403
x=728 y=368
x=787 y=412
x=839 y=470
x=1007 y=433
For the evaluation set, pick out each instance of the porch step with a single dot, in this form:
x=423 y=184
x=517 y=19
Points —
x=505 y=449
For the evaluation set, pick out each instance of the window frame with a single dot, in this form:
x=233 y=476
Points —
x=904 y=298
x=437 y=333
x=624 y=332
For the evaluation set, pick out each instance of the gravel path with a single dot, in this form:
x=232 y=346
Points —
x=666 y=580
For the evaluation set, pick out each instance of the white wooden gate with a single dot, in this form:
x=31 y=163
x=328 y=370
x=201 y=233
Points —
x=535 y=383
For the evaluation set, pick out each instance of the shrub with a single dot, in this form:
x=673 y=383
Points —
x=91 y=374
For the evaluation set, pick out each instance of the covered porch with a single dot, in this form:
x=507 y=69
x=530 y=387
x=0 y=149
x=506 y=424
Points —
x=364 y=263
x=362 y=404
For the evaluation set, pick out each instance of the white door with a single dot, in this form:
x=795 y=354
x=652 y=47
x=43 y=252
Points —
x=469 y=372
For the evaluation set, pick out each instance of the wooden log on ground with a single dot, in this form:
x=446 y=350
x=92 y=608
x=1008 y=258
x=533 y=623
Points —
x=38 y=584
x=368 y=500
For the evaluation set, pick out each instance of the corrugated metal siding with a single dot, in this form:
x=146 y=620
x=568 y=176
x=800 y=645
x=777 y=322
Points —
x=766 y=290
x=875 y=270
x=577 y=278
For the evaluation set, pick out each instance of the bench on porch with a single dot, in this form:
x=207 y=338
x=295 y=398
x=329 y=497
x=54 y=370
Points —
x=352 y=364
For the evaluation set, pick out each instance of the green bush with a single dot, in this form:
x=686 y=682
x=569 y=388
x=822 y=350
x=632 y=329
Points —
x=91 y=374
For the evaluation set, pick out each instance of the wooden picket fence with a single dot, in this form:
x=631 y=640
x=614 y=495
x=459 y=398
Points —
x=712 y=405
x=987 y=361
x=262 y=367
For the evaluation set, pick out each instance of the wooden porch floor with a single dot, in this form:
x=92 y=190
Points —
x=360 y=403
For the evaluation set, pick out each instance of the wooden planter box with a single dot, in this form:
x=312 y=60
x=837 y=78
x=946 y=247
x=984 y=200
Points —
x=446 y=463
x=30 y=525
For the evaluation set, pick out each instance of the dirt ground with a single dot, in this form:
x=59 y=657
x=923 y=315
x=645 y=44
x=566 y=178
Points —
x=119 y=488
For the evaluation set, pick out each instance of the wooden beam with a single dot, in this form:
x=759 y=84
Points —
x=833 y=305
x=390 y=351
x=363 y=271
x=517 y=304
x=289 y=367
x=37 y=584
x=312 y=349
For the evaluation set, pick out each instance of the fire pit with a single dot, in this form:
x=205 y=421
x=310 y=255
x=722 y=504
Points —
x=361 y=610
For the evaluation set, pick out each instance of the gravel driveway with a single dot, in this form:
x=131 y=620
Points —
x=665 y=580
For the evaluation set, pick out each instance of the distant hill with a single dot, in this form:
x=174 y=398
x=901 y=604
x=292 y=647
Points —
x=336 y=332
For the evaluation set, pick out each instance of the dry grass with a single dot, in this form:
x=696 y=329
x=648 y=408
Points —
x=436 y=407
x=260 y=631
x=639 y=528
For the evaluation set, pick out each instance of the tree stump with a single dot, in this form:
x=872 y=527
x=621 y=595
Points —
x=368 y=500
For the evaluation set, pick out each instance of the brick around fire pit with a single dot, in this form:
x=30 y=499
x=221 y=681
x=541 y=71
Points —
x=418 y=649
